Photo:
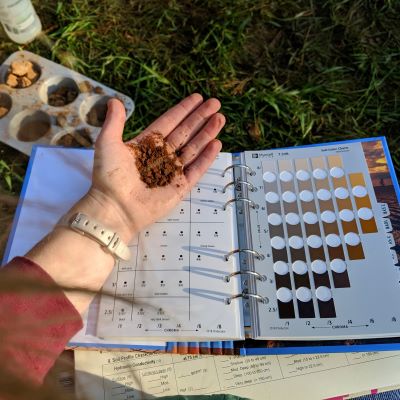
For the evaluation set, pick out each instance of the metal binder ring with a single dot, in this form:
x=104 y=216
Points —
x=255 y=253
x=251 y=202
x=258 y=276
x=238 y=183
x=246 y=296
x=251 y=172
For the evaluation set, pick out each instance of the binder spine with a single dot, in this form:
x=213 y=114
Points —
x=247 y=255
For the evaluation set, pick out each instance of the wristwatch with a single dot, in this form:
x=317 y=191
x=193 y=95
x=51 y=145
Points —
x=109 y=240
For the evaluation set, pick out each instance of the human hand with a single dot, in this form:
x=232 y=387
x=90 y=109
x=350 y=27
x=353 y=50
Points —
x=124 y=201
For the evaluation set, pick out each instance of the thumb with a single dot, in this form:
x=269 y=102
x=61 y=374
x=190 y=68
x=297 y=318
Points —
x=113 y=126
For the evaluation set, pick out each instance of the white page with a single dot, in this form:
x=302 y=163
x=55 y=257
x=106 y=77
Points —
x=122 y=376
x=173 y=286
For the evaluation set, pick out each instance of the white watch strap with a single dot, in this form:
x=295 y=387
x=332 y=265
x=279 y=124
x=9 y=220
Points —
x=105 y=237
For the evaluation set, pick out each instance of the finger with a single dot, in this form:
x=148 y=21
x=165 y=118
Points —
x=199 y=166
x=173 y=117
x=210 y=131
x=193 y=123
x=114 y=123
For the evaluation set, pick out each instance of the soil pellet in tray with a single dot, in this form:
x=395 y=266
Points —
x=62 y=96
x=79 y=138
x=97 y=115
x=22 y=74
x=3 y=111
x=156 y=162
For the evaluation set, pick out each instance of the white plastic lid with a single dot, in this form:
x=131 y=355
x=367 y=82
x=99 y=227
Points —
x=299 y=267
x=336 y=172
x=328 y=216
x=292 y=219
x=269 y=177
x=310 y=218
x=289 y=197
x=324 y=194
x=274 y=219
x=318 y=266
x=272 y=197
x=278 y=243
x=284 y=294
x=333 y=240
x=286 y=176
x=365 y=213
x=303 y=294
x=346 y=215
x=323 y=293
x=352 y=239
x=302 y=175
x=314 y=241
x=338 y=265
x=359 y=191
x=281 y=268
x=296 y=242
x=306 y=195
x=341 y=193
x=319 y=173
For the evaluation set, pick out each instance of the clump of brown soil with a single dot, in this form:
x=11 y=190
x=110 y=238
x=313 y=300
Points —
x=62 y=96
x=22 y=74
x=97 y=115
x=85 y=86
x=3 y=111
x=156 y=162
x=79 y=138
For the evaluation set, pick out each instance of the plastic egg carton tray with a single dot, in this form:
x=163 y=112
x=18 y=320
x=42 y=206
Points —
x=27 y=118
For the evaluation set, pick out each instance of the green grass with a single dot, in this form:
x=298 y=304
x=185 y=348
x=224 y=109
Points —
x=287 y=72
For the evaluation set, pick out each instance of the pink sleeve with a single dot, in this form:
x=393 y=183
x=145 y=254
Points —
x=37 y=319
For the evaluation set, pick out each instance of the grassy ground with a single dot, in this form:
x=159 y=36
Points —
x=287 y=72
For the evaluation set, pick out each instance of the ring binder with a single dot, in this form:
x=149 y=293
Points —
x=238 y=183
x=256 y=254
x=258 y=276
x=246 y=296
x=251 y=202
x=251 y=172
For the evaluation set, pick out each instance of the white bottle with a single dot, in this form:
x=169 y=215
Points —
x=19 y=20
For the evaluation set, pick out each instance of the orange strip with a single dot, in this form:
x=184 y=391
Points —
x=355 y=252
x=363 y=202
x=357 y=179
x=335 y=161
x=368 y=226
x=338 y=182
x=349 y=226
x=343 y=204
x=318 y=162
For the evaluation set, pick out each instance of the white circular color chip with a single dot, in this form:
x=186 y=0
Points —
x=318 y=266
x=324 y=194
x=359 y=191
x=278 y=243
x=365 y=213
x=336 y=172
x=323 y=293
x=302 y=175
x=292 y=219
x=289 y=197
x=346 y=215
x=284 y=294
x=272 y=197
x=296 y=242
x=286 y=176
x=274 y=219
x=314 y=241
x=341 y=193
x=319 y=173
x=306 y=195
x=281 y=268
x=352 y=239
x=269 y=177
x=328 y=216
x=338 y=265
x=333 y=240
x=303 y=294
x=310 y=218
x=299 y=267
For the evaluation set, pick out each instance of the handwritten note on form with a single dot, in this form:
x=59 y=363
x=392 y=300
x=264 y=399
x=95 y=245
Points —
x=136 y=375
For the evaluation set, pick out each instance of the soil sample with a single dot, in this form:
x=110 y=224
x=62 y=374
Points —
x=62 y=96
x=22 y=74
x=3 y=111
x=156 y=162
x=97 y=115
x=79 y=138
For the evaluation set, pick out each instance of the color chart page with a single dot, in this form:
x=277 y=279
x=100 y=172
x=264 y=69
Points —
x=327 y=223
